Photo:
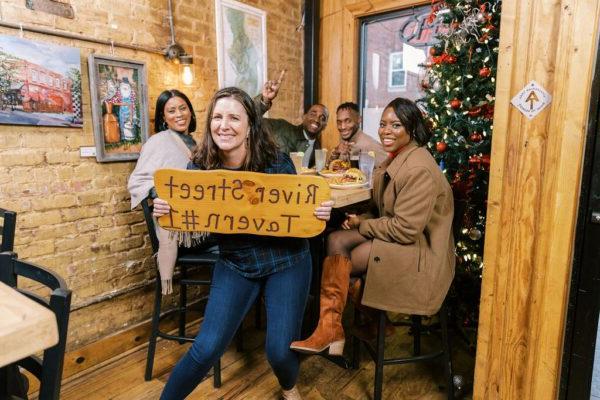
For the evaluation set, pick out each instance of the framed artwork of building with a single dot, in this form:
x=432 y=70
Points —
x=119 y=100
x=241 y=45
x=40 y=83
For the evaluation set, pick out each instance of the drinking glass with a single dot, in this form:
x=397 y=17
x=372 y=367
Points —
x=366 y=164
x=297 y=157
x=320 y=157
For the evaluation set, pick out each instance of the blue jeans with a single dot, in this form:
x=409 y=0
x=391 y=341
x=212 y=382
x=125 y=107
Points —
x=231 y=296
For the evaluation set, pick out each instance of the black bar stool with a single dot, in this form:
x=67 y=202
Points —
x=377 y=353
x=185 y=261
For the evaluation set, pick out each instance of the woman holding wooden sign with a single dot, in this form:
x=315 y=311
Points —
x=404 y=244
x=235 y=140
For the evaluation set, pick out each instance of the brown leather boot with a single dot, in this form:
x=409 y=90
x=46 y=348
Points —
x=334 y=289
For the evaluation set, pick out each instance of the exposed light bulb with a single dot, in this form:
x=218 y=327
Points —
x=187 y=76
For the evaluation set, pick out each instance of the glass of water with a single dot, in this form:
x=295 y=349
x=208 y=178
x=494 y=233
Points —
x=297 y=160
x=320 y=157
x=366 y=164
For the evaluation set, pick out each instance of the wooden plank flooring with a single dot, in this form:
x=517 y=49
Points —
x=247 y=375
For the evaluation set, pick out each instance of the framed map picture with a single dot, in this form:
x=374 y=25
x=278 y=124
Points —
x=241 y=45
x=119 y=98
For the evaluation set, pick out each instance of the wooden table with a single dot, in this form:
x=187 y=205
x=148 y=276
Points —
x=26 y=327
x=346 y=197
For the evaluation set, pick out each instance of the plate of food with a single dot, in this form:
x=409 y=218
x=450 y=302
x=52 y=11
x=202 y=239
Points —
x=353 y=178
x=307 y=171
x=327 y=173
x=336 y=169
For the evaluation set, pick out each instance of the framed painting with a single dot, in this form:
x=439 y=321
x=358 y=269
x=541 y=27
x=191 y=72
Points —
x=40 y=83
x=241 y=45
x=119 y=100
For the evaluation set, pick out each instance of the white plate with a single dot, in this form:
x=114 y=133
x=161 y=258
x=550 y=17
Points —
x=334 y=175
x=348 y=185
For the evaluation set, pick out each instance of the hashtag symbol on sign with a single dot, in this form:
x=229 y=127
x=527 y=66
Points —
x=189 y=220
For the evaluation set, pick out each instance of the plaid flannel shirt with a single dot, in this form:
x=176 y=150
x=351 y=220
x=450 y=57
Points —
x=255 y=256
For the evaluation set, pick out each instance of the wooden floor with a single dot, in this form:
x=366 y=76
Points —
x=247 y=375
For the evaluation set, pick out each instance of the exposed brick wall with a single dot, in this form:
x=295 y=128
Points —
x=73 y=213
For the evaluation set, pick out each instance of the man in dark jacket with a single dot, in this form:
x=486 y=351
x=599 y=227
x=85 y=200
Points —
x=305 y=137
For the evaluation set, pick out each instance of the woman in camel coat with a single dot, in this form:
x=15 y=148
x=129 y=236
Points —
x=404 y=243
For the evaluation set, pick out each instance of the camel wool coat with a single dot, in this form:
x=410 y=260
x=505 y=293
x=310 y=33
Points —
x=411 y=264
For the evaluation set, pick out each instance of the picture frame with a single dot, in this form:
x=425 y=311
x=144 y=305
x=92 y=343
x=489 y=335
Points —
x=241 y=32
x=40 y=83
x=119 y=101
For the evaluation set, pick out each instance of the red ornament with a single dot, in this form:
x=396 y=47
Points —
x=432 y=51
x=441 y=147
x=455 y=103
x=473 y=112
x=488 y=111
x=480 y=162
x=451 y=59
x=485 y=72
x=476 y=137
x=424 y=84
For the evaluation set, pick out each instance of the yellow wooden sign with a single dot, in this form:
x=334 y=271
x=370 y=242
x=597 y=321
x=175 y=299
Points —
x=241 y=202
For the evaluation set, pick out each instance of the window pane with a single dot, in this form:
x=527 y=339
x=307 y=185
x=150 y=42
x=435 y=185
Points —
x=398 y=78
x=394 y=46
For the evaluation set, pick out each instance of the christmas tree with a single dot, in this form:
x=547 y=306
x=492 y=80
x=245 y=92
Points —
x=459 y=100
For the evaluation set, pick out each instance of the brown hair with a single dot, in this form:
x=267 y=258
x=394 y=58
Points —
x=262 y=150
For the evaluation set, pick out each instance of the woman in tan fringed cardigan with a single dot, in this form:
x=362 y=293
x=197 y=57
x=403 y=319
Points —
x=404 y=243
x=171 y=147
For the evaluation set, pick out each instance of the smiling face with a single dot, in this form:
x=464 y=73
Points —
x=315 y=120
x=348 y=122
x=229 y=128
x=177 y=114
x=392 y=133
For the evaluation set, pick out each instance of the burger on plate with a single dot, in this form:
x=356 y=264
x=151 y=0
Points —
x=338 y=165
x=350 y=177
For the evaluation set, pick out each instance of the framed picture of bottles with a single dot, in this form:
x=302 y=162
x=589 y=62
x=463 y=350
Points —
x=119 y=101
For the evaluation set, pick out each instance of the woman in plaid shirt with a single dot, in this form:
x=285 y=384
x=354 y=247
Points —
x=235 y=140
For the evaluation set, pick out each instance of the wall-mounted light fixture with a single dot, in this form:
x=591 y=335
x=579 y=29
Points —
x=174 y=52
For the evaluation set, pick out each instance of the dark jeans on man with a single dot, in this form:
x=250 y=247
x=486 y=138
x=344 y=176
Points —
x=231 y=296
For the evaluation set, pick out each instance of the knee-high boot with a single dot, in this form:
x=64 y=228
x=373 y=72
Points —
x=334 y=289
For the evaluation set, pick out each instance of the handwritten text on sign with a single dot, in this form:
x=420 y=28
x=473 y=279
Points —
x=241 y=202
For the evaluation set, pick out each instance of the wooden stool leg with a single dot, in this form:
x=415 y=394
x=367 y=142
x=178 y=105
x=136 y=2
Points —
x=416 y=327
x=447 y=351
x=154 y=331
x=380 y=356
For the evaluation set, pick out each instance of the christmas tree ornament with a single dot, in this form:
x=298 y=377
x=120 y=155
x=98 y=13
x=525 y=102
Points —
x=432 y=51
x=475 y=137
x=441 y=147
x=455 y=103
x=485 y=72
x=475 y=111
x=475 y=234
x=458 y=381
